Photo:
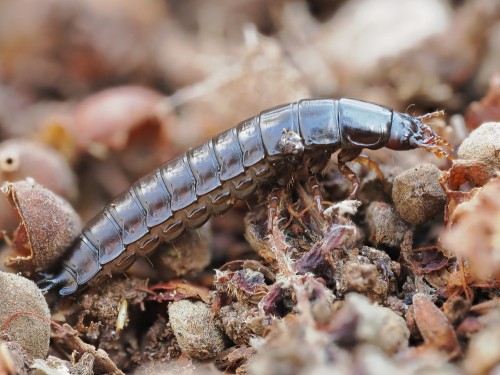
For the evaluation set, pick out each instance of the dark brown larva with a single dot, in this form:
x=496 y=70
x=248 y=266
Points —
x=184 y=192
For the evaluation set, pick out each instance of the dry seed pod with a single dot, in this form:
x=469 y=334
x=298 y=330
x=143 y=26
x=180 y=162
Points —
x=21 y=158
x=32 y=332
x=386 y=226
x=109 y=116
x=483 y=144
x=195 y=329
x=48 y=226
x=417 y=194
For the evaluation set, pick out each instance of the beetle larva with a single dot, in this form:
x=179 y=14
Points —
x=184 y=192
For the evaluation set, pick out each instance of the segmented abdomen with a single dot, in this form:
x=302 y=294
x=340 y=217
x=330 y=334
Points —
x=186 y=191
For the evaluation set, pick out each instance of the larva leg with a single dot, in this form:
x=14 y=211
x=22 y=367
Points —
x=346 y=155
x=365 y=160
x=316 y=192
x=272 y=209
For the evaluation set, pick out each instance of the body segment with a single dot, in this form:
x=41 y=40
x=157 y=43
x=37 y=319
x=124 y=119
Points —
x=184 y=192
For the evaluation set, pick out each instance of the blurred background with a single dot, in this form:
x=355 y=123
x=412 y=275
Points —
x=95 y=94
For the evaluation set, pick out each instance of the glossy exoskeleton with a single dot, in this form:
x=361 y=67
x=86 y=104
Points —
x=184 y=192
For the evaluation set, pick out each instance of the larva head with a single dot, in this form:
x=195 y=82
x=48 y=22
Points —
x=408 y=132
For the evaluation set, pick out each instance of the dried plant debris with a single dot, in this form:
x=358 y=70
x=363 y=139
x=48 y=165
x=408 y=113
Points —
x=159 y=343
x=434 y=327
x=68 y=337
x=108 y=318
x=48 y=225
x=478 y=165
x=234 y=359
x=360 y=321
x=488 y=108
x=13 y=358
x=296 y=345
x=239 y=322
x=51 y=366
x=483 y=352
x=176 y=290
x=481 y=216
x=367 y=271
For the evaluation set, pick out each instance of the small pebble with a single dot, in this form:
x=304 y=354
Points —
x=417 y=194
